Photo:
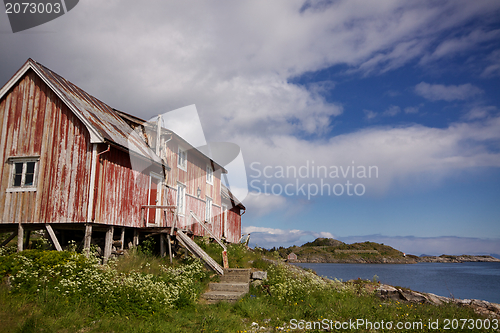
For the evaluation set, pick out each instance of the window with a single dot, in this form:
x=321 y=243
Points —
x=208 y=210
x=210 y=174
x=23 y=174
x=182 y=159
x=181 y=198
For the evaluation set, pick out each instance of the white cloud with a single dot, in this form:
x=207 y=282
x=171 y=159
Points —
x=493 y=69
x=452 y=46
x=261 y=204
x=435 y=92
x=235 y=60
x=411 y=109
x=271 y=237
x=399 y=153
x=480 y=112
x=369 y=114
x=392 y=111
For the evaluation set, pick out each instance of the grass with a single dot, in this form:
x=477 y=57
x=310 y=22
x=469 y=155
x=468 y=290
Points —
x=33 y=304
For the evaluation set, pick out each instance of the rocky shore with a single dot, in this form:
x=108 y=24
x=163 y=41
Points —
x=487 y=309
x=384 y=291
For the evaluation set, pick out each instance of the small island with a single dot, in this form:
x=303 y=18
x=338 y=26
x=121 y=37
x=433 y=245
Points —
x=329 y=250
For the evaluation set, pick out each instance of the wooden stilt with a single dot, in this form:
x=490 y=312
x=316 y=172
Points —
x=122 y=239
x=20 y=236
x=162 y=246
x=87 y=240
x=11 y=237
x=136 y=237
x=108 y=244
x=27 y=239
x=53 y=237
x=169 y=247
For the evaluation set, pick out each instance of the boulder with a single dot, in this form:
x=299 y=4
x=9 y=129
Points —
x=433 y=299
x=259 y=275
x=388 y=292
x=412 y=296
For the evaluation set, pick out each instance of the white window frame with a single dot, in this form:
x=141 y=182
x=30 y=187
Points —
x=224 y=217
x=208 y=210
x=24 y=161
x=182 y=158
x=210 y=174
x=181 y=198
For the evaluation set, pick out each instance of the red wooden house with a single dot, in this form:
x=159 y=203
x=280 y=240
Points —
x=70 y=162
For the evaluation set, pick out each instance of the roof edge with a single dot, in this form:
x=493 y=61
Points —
x=95 y=137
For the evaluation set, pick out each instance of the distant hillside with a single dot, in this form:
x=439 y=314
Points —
x=334 y=251
x=329 y=250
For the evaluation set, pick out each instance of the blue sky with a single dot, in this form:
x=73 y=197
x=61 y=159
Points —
x=408 y=87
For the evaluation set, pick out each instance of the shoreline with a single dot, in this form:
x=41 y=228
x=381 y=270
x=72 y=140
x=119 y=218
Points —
x=409 y=259
x=389 y=292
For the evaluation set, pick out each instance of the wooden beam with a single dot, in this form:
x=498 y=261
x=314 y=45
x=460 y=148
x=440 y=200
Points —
x=11 y=237
x=136 y=237
x=122 y=239
x=27 y=239
x=108 y=244
x=87 y=240
x=20 y=236
x=169 y=247
x=162 y=246
x=53 y=237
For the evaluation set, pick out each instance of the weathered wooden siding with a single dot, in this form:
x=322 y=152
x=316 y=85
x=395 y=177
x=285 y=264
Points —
x=121 y=191
x=195 y=175
x=234 y=225
x=35 y=122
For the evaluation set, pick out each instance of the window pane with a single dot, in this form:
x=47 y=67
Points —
x=18 y=168
x=18 y=172
x=30 y=167
x=30 y=173
x=17 y=180
x=29 y=180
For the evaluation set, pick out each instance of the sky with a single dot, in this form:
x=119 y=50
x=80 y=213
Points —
x=358 y=120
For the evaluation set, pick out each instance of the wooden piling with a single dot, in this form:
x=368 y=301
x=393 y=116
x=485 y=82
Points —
x=87 y=240
x=108 y=244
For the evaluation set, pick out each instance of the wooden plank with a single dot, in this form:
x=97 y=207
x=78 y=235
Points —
x=20 y=236
x=27 y=239
x=169 y=248
x=11 y=237
x=108 y=244
x=135 y=241
x=87 y=240
x=208 y=230
x=162 y=246
x=197 y=251
x=122 y=239
x=53 y=237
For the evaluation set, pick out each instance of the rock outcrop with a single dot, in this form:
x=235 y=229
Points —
x=484 y=308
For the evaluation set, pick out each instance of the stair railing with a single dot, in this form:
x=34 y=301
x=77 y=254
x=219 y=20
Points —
x=224 y=252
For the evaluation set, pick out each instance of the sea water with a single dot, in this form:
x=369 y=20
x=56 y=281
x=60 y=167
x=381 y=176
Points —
x=479 y=280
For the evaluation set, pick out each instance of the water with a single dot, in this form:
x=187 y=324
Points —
x=479 y=280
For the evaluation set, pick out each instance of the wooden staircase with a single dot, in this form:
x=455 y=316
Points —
x=189 y=244
x=232 y=286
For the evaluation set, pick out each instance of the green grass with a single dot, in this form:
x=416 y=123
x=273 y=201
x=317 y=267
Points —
x=35 y=306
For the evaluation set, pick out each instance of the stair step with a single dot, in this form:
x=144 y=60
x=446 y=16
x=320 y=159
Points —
x=233 y=287
x=232 y=275
x=216 y=296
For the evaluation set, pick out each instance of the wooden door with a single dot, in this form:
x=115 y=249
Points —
x=154 y=215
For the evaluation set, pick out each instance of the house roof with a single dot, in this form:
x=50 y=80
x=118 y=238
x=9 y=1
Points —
x=102 y=122
x=142 y=122
x=228 y=195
